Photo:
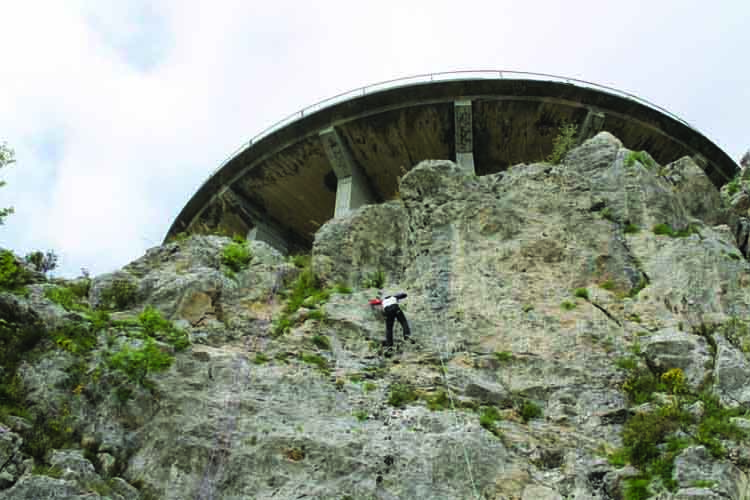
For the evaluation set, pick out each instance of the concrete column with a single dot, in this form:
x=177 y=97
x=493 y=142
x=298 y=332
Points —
x=263 y=228
x=464 y=139
x=592 y=125
x=353 y=187
x=264 y=232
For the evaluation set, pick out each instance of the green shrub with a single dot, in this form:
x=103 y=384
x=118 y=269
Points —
x=637 y=488
x=361 y=415
x=316 y=360
x=321 y=342
x=66 y=297
x=631 y=228
x=375 y=279
x=401 y=394
x=667 y=230
x=120 y=295
x=563 y=143
x=236 y=255
x=76 y=338
x=734 y=186
x=567 y=305
x=641 y=157
x=581 y=293
x=317 y=315
x=369 y=387
x=260 y=358
x=529 y=410
x=42 y=262
x=642 y=434
x=12 y=275
x=504 y=356
x=608 y=285
x=438 y=401
x=488 y=418
x=301 y=261
x=342 y=289
x=155 y=325
x=138 y=362
x=607 y=214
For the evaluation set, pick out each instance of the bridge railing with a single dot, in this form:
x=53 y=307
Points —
x=437 y=77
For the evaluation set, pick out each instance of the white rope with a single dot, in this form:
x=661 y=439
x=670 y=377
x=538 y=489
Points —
x=455 y=415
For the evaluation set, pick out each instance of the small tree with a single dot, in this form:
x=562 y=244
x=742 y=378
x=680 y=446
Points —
x=42 y=262
x=7 y=157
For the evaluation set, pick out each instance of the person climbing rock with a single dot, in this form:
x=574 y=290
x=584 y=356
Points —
x=392 y=312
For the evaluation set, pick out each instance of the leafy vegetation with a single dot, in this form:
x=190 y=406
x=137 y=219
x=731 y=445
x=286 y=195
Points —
x=401 y=394
x=641 y=157
x=7 y=157
x=374 y=279
x=138 y=362
x=567 y=305
x=119 y=295
x=653 y=439
x=564 y=142
x=13 y=276
x=631 y=228
x=529 y=410
x=321 y=342
x=488 y=418
x=155 y=325
x=316 y=360
x=504 y=356
x=667 y=230
x=581 y=293
x=42 y=262
x=305 y=290
x=236 y=255
x=66 y=297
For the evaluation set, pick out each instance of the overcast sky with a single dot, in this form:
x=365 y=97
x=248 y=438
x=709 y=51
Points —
x=119 y=110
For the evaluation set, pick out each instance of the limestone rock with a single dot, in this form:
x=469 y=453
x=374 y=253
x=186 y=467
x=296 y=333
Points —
x=696 y=464
x=72 y=465
x=670 y=348
x=732 y=374
x=695 y=191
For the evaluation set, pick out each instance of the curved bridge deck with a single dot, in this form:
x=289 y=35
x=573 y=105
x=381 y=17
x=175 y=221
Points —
x=282 y=187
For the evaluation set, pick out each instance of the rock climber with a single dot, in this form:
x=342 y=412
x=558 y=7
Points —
x=392 y=311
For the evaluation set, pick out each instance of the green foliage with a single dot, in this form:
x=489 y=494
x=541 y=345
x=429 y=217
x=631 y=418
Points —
x=607 y=214
x=316 y=360
x=12 y=275
x=488 y=418
x=236 y=255
x=306 y=289
x=7 y=157
x=637 y=488
x=667 y=230
x=438 y=401
x=42 y=262
x=155 y=325
x=138 y=362
x=567 y=305
x=74 y=337
x=50 y=430
x=737 y=333
x=674 y=380
x=581 y=293
x=120 y=295
x=644 y=432
x=361 y=415
x=369 y=387
x=642 y=283
x=302 y=261
x=734 y=185
x=631 y=228
x=260 y=358
x=641 y=385
x=65 y=297
x=375 y=279
x=504 y=356
x=317 y=315
x=608 y=285
x=629 y=363
x=342 y=289
x=401 y=394
x=564 y=142
x=529 y=410
x=322 y=342
x=641 y=157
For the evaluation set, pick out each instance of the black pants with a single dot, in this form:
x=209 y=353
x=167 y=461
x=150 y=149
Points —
x=391 y=313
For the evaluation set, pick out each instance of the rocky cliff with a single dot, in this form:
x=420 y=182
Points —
x=581 y=332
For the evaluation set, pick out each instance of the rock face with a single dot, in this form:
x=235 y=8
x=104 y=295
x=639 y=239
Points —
x=553 y=307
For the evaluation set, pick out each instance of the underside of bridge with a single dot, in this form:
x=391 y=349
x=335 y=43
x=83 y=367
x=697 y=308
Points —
x=282 y=188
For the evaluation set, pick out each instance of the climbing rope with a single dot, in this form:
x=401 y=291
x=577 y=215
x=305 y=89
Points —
x=455 y=416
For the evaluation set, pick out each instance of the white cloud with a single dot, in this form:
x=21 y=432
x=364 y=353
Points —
x=143 y=102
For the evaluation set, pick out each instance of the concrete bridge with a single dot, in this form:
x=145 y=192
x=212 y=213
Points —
x=337 y=155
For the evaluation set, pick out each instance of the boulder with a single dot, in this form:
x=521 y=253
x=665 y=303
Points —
x=731 y=374
x=695 y=464
x=671 y=348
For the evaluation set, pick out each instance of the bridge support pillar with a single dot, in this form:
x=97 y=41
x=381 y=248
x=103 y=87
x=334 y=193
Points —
x=263 y=228
x=592 y=125
x=352 y=187
x=464 y=139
